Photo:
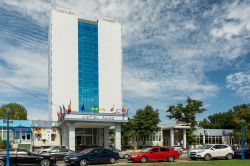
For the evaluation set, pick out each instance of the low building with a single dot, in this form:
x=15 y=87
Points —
x=45 y=134
x=20 y=132
x=170 y=134
x=213 y=136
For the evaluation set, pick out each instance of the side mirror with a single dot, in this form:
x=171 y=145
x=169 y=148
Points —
x=212 y=148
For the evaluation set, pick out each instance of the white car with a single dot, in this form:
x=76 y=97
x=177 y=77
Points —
x=51 y=148
x=210 y=151
x=178 y=148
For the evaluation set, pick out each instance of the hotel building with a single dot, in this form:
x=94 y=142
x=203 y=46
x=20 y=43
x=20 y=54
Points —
x=85 y=73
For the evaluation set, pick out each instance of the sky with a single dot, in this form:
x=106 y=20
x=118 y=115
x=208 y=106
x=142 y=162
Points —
x=171 y=50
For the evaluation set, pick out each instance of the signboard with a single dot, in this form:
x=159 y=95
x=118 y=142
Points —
x=95 y=117
x=5 y=121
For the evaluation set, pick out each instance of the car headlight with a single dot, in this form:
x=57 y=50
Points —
x=74 y=158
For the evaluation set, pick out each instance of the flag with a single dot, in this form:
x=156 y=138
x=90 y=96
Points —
x=112 y=109
x=83 y=108
x=61 y=111
x=69 y=107
x=58 y=115
x=64 y=110
x=124 y=111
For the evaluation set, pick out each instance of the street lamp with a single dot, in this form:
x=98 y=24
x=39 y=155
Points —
x=8 y=138
x=242 y=123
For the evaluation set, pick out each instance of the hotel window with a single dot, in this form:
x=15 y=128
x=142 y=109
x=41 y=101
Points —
x=88 y=65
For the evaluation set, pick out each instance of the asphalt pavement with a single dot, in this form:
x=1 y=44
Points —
x=183 y=158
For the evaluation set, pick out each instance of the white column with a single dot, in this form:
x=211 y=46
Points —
x=184 y=138
x=100 y=137
x=204 y=138
x=106 y=137
x=161 y=132
x=118 y=136
x=65 y=138
x=171 y=137
x=72 y=136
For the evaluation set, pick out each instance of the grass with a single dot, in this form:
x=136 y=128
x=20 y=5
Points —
x=196 y=163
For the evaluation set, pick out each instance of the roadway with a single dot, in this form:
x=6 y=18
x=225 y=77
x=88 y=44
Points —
x=183 y=158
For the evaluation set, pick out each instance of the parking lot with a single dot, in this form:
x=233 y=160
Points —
x=183 y=158
x=183 y=161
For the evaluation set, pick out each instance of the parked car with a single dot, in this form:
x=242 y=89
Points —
x=154 y=154
x=210 y=151
x=25 y=157
x=51 y=148
x=238 y=153
x=92 y=156
x=59 y=153
x=178 y=148
x=124 y=154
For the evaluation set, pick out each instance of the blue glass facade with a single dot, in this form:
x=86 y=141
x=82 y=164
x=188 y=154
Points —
x=88 y=65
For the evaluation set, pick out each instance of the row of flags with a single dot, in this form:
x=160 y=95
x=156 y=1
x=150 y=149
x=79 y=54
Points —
x=62 y=110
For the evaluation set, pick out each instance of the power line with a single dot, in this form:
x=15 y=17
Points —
x=27 y=93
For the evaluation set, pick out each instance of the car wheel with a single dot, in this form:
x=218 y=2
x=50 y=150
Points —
x=2 y=163
x=229 y=156
x=112 y=160
x=125 y=156
x=83 y=162
x=45 y=162
x=170 y=159
x=207 y=157
x=143 y=159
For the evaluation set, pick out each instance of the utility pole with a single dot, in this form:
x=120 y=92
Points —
x=8 y=138
x=242 y=123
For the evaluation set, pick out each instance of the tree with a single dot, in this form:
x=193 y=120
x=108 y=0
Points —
x=17 y=111
x=146 y=122
x=230 y=120
x=128 y=132
x=187 y=113
x=241 y=112
x=212 y=121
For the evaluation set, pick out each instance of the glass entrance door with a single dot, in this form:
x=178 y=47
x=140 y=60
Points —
x=86 y=137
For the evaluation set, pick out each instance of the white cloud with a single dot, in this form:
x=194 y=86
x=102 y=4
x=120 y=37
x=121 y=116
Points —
x=239 y=82
x=25 y=69
x=37 y=114
x=238 y=13
x=37 y=10
x=167 y=52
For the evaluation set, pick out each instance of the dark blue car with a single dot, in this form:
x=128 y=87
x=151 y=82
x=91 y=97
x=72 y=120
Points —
x=92 y=156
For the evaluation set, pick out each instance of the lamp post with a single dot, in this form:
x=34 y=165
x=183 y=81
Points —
x=8 y=138
x=242 y=123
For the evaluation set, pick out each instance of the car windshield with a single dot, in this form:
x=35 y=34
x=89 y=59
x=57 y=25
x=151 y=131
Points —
x=86 y=151
x=206 y=146
x=145 y=150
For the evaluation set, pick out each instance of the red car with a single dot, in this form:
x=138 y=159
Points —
x=154 y=154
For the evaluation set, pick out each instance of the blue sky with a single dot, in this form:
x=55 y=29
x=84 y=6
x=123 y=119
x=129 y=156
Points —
x=171 y=50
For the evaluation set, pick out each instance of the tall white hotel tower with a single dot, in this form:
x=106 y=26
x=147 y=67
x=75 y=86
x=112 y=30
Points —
x=85 y=69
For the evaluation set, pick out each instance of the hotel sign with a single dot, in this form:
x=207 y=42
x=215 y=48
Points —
x=96 y=117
